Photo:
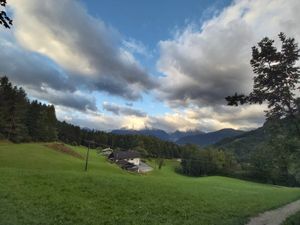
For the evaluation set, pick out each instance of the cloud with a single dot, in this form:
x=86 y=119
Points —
x=61 y=54
x=40 y=77
x=95 y=120
x=29 y=69
x=209 y=118
x=123 y=110
x=75 y=100
x=202 y=65
x=135 y=46
x=86 y=49
x=205 y=119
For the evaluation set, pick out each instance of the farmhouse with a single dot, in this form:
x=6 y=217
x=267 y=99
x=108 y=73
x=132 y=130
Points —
x=129 y=160
x=127 y=156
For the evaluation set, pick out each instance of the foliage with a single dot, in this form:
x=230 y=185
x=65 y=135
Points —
x=209 y=162
x=269 y=154
x=276 y=80
x=43 y=186
x=4 y=19
x=160 y=162
x=13 y=106
x=21 y=120
x=292 y=220
x=148 y=146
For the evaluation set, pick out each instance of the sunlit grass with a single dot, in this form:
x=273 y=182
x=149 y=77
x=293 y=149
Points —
x=42 y=186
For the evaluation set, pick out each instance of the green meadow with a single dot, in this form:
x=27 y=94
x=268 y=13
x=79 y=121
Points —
x=41 y=186
x=293 y=220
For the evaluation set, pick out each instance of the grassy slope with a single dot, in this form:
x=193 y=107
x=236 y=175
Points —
x=42 y=186
x=293 y=220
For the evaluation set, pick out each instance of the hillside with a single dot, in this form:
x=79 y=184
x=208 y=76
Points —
x=42 y=186
x=205 y=139
x=175 y=136
x=183 y=137
x=242 y=145
x=158 y=133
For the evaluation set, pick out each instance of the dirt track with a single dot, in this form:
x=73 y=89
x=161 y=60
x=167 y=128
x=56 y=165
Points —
x=277 y=216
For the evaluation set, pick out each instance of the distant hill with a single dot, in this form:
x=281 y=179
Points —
x=175 y=136
x=148 y=132
x=161 y=134
x=204 y=139
x=183 y=137
x=242 y=145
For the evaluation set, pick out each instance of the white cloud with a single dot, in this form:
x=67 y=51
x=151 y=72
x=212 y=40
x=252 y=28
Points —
x=100 y=121
x=202 y=65
x=205 y=119
x=135 y=46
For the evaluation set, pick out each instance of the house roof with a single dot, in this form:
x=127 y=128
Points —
x=118 y=155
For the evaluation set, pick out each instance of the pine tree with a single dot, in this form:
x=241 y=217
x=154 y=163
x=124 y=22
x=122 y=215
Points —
x=276 y=79
x=13 y=108
x=51 y=123
x=4 y=19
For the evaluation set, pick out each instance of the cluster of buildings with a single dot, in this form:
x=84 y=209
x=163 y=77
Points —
x=129 y=160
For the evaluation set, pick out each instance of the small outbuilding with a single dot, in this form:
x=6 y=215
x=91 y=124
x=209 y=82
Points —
x=106 y=151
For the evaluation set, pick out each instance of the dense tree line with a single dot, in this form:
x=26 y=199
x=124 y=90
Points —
x=277 y=159
x=210 y=161
x=148 y=146
x=22 y=120
x=270 y=154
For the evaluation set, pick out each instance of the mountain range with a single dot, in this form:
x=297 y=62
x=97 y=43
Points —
x=184 y=137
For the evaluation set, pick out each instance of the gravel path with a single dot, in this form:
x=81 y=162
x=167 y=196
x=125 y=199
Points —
x=277 y=216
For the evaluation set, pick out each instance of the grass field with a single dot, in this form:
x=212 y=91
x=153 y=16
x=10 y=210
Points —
x=293 y=220
x=41 y=186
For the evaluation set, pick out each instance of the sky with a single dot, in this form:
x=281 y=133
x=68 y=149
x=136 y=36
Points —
x=137 y=64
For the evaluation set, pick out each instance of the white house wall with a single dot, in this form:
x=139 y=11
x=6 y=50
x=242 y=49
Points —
x=135 y=161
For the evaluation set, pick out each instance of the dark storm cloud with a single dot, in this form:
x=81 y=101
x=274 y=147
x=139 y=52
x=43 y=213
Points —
x=122 y=110
x=73 y=100
x=87 y=49
x=29 y=69
x=39 y=76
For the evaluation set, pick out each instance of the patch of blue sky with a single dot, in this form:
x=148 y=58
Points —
x=152 y=21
